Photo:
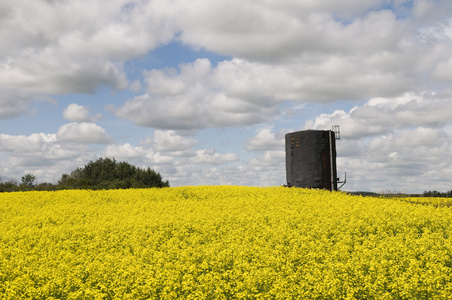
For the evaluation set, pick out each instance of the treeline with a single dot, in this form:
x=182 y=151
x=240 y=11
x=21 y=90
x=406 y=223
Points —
x=437 y=194
x=389 y=194
x=105 y=173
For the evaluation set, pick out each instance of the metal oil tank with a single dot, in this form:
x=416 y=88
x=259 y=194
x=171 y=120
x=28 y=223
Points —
x=311 y=159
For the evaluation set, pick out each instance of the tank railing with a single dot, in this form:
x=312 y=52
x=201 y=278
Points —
x=343 y=182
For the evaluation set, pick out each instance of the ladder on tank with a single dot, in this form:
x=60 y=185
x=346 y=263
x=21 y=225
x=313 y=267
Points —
x=337 y=135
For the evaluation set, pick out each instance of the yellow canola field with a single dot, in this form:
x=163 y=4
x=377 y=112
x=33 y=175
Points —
x=435 y=201
x=221 y=242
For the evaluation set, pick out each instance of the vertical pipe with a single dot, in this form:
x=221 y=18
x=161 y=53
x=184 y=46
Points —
x=331 y=161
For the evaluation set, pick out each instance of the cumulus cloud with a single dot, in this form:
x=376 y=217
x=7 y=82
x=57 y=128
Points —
x=247 y=91
x=227 y=175
x=170 y=141
x=84 y=133
x=78 y=113
x=238 y=92
x=269 y=167
x=284 y=50
x=272 y=30
x=432 y=140
x=407 y=160
x=430 y=11
x=383 y=115
x=13 y=103
x=55 y=77
x=265 y=140
x=300 y=51
x=21 y=143
x=271 y=160
x=210 y=157
x=141 y=155
x=135 y=86
x=201 y=167
x=188 y=100
x=290 y=51
x=124 y=152
x=40 y=154
x=81 y=46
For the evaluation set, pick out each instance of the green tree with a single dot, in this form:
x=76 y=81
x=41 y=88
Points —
x=28 y=180
x=8 y=185
x=106 y=173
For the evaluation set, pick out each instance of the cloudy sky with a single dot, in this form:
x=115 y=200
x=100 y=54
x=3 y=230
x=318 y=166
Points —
x=204 y=91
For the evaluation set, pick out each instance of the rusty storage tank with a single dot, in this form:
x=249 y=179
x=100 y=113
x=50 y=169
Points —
x=311 y=159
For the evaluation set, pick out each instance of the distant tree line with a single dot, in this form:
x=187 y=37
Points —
x=104 y=173
x=437 y=194
x=393 y=194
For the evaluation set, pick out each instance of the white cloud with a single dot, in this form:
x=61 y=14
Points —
x=40 y=154
x=189 y=100
x=406 y=141
x=265 y=140
x=227 y=175
x=13 y=103
x=140 y=155
x=135 y=86
x=408 y=160
x=56 y=76
x=210 y=157
x=80 y=46
x=284 y=50
x=383 y=115
x=269 y=29
x=170 y=141
x=200 y=168
x=443 y=71
x=271 y=160
x=84 y=133
x=239 y=92
x=124 y=152
x=300 y=51
x=78 y=113
x=21 y=143
x=430 y=11
x=269 y=167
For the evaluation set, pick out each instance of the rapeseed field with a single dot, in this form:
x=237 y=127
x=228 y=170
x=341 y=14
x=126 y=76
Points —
x=222 y=242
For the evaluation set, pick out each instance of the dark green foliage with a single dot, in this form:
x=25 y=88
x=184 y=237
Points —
x=9 y=186
x=46 y=186
x=364 y=193
x=28 y=181
x=106 y=173
x=438 y=194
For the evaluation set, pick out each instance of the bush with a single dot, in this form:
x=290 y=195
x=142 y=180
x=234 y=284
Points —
x=106 y=173
x=9 y=186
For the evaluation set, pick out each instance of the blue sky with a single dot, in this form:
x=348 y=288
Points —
x=204 y=91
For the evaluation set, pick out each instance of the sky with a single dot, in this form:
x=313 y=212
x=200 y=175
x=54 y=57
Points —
x=204 y=91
